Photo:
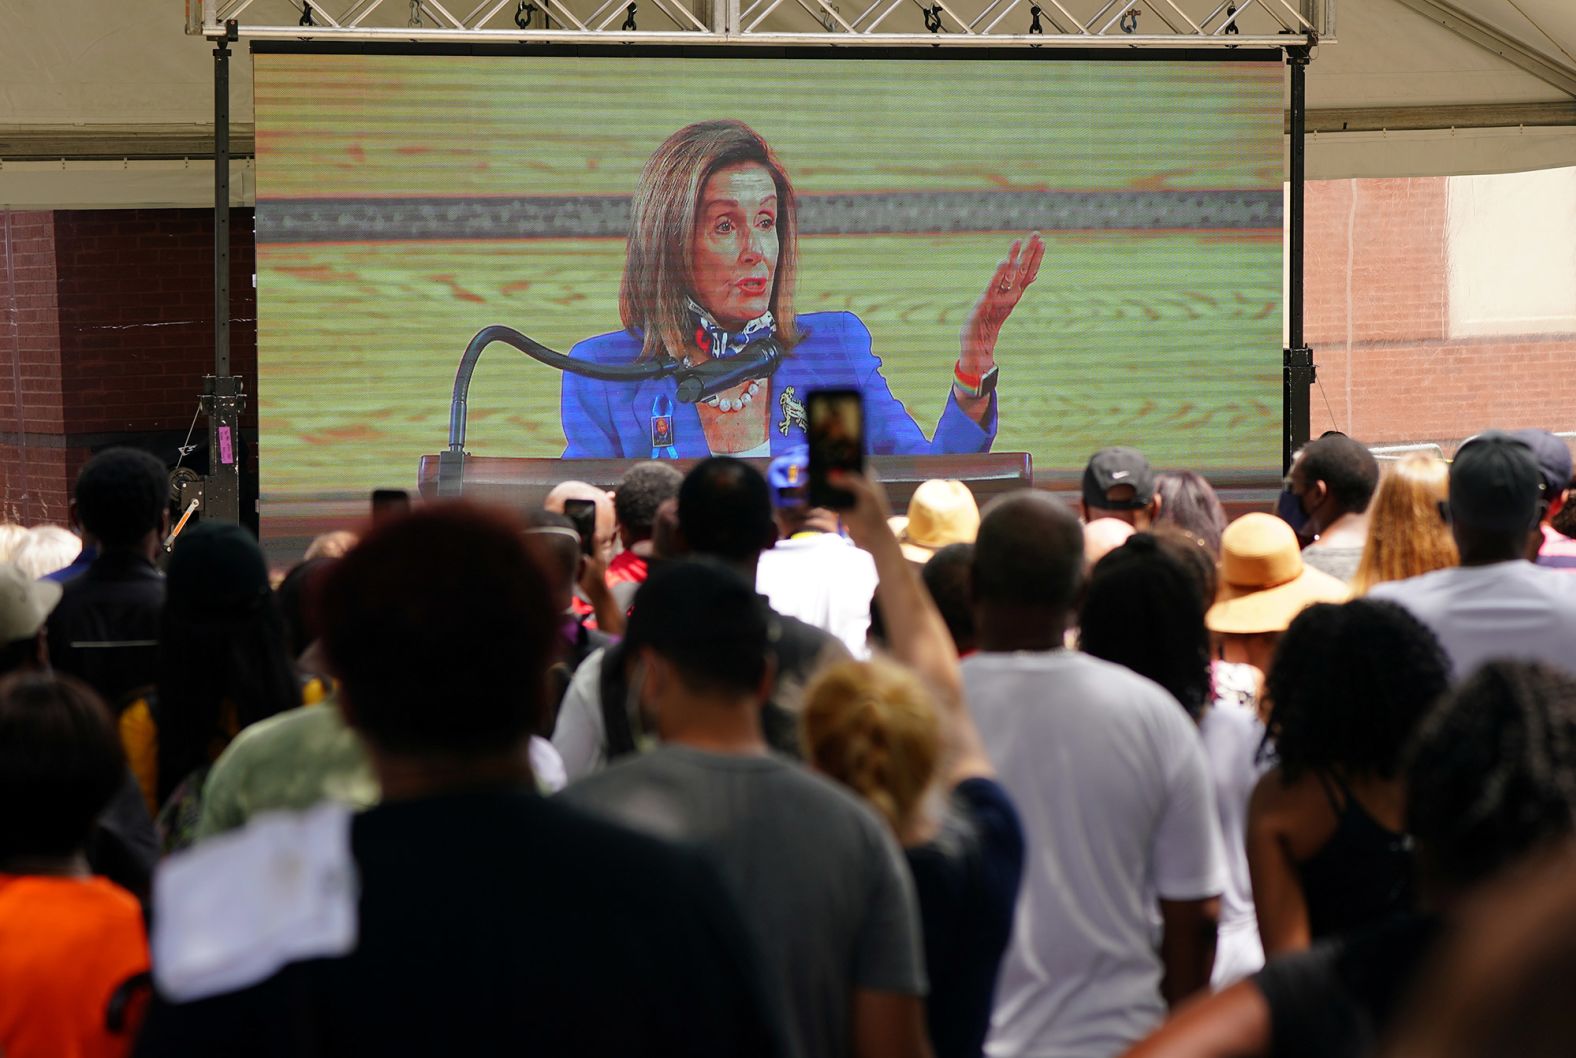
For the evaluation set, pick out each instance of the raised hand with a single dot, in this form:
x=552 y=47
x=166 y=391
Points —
x=1001 y=295
x=866 y=520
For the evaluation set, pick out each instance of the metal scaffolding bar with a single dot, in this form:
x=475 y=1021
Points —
x=1076 y=23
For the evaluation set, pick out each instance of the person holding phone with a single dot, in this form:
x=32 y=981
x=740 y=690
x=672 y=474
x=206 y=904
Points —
x=710 y=269
x=593 y=599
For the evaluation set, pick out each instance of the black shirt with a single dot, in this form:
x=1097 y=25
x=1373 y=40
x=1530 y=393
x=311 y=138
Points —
x=966 y=879
x=1361 y=876
x=123 y=846
x=1333 y=1000
x=500 y=923
x=105 y=630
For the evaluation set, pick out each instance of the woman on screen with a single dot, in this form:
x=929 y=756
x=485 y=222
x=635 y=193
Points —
x=710 y=268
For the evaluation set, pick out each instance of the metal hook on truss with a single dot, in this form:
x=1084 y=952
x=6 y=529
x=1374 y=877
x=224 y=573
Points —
x=1129 y=22
x=933 y=18
x=524 y=13
x=629 y=18
x=1231 y=13
x=1035 y=11
x=415 y=12
x=306 y=14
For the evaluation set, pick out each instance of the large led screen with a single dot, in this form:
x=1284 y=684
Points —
x=1106 y=234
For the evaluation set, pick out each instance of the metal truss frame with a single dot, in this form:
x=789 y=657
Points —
x=1166 y=24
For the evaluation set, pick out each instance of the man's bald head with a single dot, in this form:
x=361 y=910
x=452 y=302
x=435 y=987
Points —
x=606 y=519
x=1029 y=552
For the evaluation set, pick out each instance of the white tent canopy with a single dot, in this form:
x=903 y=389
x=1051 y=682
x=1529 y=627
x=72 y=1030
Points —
x=102 y=104
x=1444 y=87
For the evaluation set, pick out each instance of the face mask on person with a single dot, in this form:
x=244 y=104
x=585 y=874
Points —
x=1288 y=507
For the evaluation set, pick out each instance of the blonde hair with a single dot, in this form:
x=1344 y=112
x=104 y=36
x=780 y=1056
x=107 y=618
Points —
x=653 y=297
x=46 y=549
x=874 y=727
x=1407 y=534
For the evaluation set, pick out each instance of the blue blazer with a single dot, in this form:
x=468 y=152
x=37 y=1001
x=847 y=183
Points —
x=613 y=419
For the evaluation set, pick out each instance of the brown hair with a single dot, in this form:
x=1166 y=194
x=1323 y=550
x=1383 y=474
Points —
x=60 y=763
x=1406 y=533
x=652 y=297
x=873 y=727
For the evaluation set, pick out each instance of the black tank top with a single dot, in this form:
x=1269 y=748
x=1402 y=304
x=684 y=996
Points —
x=1361 y=875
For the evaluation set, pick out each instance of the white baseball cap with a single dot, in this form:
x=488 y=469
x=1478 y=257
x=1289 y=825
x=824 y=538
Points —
x=25 y=603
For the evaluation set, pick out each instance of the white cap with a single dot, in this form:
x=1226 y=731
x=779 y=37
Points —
x=24 y=603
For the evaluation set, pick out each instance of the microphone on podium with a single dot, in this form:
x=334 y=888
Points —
x=696 y=382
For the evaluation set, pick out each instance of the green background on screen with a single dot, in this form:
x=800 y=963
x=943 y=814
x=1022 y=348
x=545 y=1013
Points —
x=1164 y=339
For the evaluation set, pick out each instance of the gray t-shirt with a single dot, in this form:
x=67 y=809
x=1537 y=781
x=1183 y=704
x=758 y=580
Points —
x=820 y=879
x=1338 y=562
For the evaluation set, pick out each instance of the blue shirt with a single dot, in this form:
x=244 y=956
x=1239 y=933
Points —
x=78 y=565
x=613 y=419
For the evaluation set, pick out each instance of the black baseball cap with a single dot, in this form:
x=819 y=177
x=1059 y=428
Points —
x=1111 y=467
x=1495 y=483
x=1554 y=459
x=705 y=618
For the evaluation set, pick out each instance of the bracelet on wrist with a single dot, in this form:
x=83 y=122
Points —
x=974 y=386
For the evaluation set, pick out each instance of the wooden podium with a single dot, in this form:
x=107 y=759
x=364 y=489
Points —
x=526 y=482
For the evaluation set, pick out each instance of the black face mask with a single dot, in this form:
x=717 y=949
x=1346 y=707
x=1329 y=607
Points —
x=1288 y=507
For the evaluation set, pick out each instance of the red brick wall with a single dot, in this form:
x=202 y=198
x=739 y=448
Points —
x=32 y=486
x=108 y=323
x=1378 y=321
x=136 y=315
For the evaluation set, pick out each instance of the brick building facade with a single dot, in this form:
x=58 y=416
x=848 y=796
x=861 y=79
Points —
x=1379 y=321
x=106 y=331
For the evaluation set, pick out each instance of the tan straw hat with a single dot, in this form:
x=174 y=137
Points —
x=1263 y=580
x=939 y=513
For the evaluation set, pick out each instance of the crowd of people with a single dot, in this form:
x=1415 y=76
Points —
x=739 y=776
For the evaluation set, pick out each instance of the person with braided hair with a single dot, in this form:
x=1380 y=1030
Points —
x=897 y=733
x=1491 y=775
x=1144 y=610
x=1326 y=849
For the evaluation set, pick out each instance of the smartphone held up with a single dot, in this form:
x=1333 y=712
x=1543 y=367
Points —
x=388 y=504
x=837 y=442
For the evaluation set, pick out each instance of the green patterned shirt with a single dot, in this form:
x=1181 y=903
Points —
x=288 y=762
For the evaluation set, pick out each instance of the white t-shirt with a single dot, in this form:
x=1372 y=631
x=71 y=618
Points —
x=1110 y=780
x=580 y=735
x=823 y=580
x=1504 y=610
x=1232 y=734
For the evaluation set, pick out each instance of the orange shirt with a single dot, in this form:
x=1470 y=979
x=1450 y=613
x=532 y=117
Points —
x=67 y=946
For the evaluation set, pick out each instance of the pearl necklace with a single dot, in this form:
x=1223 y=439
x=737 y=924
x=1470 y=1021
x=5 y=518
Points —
x=739 y=403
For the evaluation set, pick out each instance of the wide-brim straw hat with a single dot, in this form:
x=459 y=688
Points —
x=939 y=513
x=1264 y=582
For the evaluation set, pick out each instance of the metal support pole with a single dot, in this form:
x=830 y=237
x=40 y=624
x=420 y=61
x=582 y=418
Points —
x=221 y=207
x=1298 y=372
x=223 y=395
